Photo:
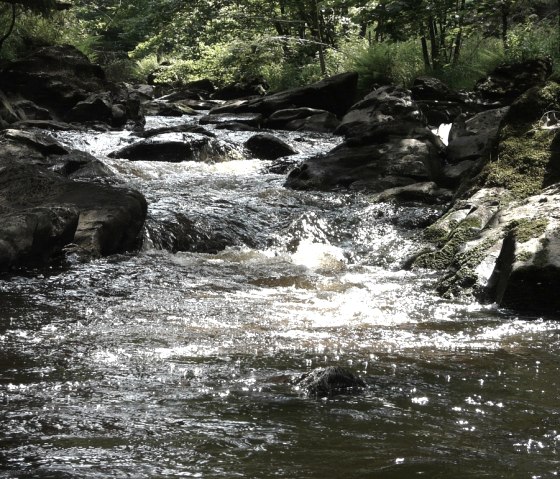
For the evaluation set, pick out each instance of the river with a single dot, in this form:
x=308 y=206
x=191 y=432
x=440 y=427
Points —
x=169 y=363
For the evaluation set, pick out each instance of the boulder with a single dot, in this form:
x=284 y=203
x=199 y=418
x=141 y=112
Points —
x=171 y=147
x=427 y=193
x=387 y=145
x=164 y=108
x=335 y=94
x=42 y=213
x=476 y=137
x=526 y=274
x=304 y=119
x=438 y=102
x=246 y=87
x=267 y=147
x=185 y=128
x=330 y=381
x=504 y=84
x=498 y=241
x=56 y=77
x=59 y=83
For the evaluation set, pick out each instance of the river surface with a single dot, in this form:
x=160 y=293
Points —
x=171 y=363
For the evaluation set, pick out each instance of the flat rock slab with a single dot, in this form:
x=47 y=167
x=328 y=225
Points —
x=250 y=119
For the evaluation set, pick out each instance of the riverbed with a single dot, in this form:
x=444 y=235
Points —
x=183 y=361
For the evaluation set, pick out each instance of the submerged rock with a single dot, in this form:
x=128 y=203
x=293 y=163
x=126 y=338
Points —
x=329 y=381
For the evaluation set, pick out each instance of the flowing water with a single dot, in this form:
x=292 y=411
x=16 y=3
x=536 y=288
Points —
x=180 y=361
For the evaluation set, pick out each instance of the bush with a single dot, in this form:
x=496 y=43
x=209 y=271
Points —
x=532 y=40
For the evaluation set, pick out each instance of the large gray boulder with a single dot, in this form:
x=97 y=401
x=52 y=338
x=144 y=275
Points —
x=335 y=94
x=303 y=119
x=499 y=241
x=43 y=212
x=387 y=144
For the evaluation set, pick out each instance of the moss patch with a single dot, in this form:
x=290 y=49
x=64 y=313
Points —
x=526 y=229
x=451 y=244
x=522 y=162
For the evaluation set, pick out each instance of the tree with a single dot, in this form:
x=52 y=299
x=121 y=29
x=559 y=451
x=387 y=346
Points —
x=42 y=7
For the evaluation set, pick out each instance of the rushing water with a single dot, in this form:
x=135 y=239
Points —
x=174 y=363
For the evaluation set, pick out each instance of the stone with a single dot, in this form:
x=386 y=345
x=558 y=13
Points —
x=506 y=82
x=335 y=94
x=163 y=108
x=42 y=213
x=303 y=119
x=427 y=193
x=475 y=137
x=59 y=82
x=267 y=147
x=330 y=381
x=387 y=144
x=170 y=147
x=250 y=119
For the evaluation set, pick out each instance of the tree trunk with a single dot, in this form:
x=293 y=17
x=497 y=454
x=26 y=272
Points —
x=426 y=53
x=10 y=28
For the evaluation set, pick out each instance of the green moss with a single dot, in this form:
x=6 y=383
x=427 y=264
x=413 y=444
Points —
x=523 y=257
x=526 y=229
x=466 y=230
x=522 y=160
x=435 y=234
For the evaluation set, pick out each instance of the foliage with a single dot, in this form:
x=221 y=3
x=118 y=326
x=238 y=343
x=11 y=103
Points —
x=291 y=41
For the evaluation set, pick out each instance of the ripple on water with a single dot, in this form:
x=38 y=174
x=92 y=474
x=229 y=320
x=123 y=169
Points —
x=182 y=364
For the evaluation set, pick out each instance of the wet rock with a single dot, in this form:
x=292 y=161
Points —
x=235 y=126
x=330 y=381
x=304 y=119
x=41 y=142
x=250 y=119
x=267 y=147
x=44 y=125
x=185 y=128
x=387 y=145
x=96 y=107
x=31 y=111
x=42 y=213
x=427 y=193
x=476 y=137
x=171 y=147
x=164 y=108
x=503 y=85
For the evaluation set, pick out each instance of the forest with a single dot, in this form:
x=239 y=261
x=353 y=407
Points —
x=288 y=42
